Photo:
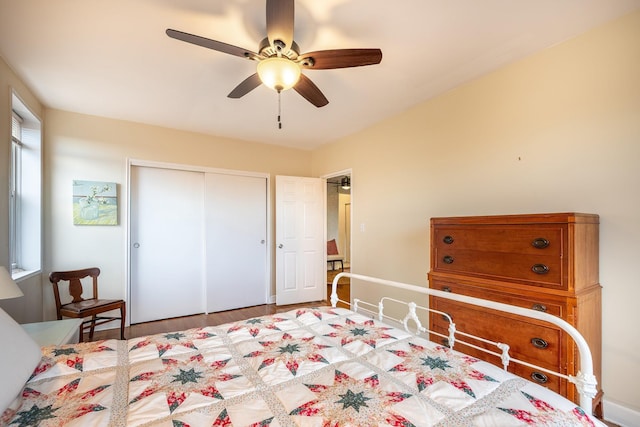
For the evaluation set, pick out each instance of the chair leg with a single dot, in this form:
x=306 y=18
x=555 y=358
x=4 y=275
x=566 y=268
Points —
x=342 y=265
x=93 y=326
x=81 y=333
x=122 y=314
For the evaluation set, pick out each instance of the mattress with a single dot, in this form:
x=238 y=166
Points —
x=308 y=367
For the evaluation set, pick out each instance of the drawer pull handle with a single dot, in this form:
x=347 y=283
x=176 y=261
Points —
x=539 y=307
x=540 y=243
x=446 y=289
x=445 y=342
x=539 y=377
x=448 y=240
x=539 y=343
x=447 y=259
x=539 y=268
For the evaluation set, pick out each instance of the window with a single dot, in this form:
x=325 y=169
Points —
x=14 y=182
x=25 y=204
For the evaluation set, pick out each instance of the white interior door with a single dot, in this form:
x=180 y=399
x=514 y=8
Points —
x=236 y=235
x=300 y=243
x=167 y=243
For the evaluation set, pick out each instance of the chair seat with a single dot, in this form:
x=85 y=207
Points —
x=86 y=306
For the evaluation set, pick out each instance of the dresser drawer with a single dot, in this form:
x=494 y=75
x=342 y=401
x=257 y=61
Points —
x=538 y=270
x=552 y=382
x=534 y=240
x=528 y=341
x=530 y=255
x=536 y=302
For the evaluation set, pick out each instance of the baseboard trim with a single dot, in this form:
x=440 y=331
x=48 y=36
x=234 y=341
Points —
x=621 y=415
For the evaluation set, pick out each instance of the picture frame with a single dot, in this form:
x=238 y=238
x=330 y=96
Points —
x=95 y=203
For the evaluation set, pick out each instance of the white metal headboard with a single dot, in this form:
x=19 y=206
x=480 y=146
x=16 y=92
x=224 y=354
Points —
x=584 y=381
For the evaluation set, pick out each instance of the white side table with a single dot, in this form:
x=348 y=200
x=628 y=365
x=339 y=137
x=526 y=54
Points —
x=55 y=332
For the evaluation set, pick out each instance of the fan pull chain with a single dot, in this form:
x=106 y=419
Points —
x=279 y=109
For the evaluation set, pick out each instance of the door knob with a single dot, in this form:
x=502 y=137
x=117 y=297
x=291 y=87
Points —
x=136 y=245
x=262 y=242
x=280 y=246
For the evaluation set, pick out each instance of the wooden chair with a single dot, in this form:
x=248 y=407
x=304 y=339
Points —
x=82 y=308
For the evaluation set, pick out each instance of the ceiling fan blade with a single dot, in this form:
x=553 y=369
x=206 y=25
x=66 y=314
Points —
x=249 y=84
x=211 y=44
x=310 y=91
x=339 y=58
x=280 y=16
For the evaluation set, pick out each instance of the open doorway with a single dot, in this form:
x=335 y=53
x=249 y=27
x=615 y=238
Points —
x=338 y=226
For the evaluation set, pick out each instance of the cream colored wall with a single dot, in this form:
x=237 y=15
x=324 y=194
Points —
x=27 y=308
x=92 y=148
x=558 y=131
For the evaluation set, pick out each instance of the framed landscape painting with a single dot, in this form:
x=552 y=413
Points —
x=95 y=203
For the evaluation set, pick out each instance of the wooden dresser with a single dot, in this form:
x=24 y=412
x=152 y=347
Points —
x=547 y=262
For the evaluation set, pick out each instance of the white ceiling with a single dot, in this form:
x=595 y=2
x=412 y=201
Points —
x=112 y=58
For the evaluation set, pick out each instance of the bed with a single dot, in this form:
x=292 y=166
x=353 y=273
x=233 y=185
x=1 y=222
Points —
x=323 y=366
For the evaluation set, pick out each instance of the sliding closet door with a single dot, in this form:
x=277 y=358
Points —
x=236 y=235
x=167 y=243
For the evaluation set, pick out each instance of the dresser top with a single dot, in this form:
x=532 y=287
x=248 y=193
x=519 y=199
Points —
x=546 y=218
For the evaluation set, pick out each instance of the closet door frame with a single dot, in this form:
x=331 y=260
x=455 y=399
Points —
x=131 y=162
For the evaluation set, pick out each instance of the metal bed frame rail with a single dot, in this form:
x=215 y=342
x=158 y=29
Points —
x=584 y=381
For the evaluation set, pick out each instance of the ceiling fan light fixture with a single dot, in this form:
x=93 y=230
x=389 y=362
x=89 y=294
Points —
x=278 y=73
x=279 y=62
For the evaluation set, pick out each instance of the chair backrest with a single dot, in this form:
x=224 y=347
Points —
x=74 y=278
x=332 y=247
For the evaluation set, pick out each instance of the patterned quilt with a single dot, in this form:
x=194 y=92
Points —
x=309 y=367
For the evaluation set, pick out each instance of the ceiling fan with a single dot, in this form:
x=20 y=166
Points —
x=279 y=59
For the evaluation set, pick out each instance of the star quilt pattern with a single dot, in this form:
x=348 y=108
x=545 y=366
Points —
x=309 y=367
